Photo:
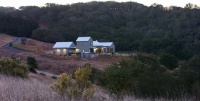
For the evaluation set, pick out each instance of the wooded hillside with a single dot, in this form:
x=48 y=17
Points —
x=132 y=26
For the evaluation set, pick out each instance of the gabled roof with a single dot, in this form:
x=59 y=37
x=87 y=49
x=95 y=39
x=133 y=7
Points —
x=64 y=45
x=96 y=43
x=83 y=38
x=106 y=43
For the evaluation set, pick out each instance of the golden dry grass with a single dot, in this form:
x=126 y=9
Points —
x=38 y=88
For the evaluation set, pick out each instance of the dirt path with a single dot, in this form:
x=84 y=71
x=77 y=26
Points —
x=47 y=74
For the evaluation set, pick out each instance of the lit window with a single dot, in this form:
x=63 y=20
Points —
x=76 y=43
x=83 y=43
x=83 y=50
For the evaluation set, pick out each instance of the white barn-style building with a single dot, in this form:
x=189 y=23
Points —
x=63 y=48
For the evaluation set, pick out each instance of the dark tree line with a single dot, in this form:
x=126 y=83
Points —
x=15 y=25
x=131 y=26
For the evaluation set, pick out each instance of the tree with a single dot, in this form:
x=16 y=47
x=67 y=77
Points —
x=32 y=63
x=169 y=60
x=23 y=41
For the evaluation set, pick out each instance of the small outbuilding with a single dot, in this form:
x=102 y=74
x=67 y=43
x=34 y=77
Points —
x=64 y=48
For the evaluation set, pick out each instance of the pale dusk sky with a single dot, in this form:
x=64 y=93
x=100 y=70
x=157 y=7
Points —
x=18 y=3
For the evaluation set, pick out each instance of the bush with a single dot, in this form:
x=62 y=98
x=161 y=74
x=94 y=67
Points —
x=10 y=44
x=142 y=75
x=81 y=87
x=97 y=77
x=169 y=60
x=32 y=64
x=13 y=67
x=23 y=41
x=190 y=73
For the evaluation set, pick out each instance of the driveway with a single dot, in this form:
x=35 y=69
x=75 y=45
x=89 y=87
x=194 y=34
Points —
x=7 y=46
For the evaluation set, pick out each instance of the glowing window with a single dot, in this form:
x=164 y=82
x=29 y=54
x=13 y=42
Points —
x=83 y=43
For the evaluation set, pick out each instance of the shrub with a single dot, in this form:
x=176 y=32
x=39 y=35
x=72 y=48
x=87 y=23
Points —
x=13 y=67
x=81 y=87
x=142 y=75
x=190 y=73
x=119 y=77
x=97 y=77
x=82 y=76
x=23 y=41
x=32 y=64
x=10 y=44
x=169 y=60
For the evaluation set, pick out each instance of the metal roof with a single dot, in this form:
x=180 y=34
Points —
x=83 y=38
x=106 y=43
x=96 y=43
x=64 y=45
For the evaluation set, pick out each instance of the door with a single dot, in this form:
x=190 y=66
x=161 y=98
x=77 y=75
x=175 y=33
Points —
x=64 y=51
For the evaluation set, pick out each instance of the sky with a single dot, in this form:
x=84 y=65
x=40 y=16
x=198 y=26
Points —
x=18 y=3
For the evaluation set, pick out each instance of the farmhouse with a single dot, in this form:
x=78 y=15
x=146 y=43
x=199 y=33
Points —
x=84 y=45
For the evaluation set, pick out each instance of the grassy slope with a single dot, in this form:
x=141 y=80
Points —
x=4 y=39
x=38 y=88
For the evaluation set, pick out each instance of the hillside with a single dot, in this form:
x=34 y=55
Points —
x=49 y=63
x=131 y=26
x=35 y=45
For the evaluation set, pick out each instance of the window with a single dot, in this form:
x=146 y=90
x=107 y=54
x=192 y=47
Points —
x=83 y=43
x=83 y=50
x=91 y=43
x=77 y=43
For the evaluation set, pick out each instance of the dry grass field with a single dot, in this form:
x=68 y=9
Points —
x=4 y=39
x=38 y=88
x=32 y=89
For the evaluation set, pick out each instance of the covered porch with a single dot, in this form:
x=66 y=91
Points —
x=99 y=50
